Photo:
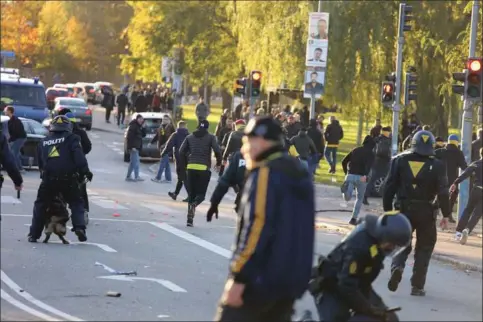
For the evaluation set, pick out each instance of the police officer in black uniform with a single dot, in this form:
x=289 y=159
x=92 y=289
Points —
x=7 y=162
x=234 y=176
x=342 y=281
x=62 y=164
x=417 y=178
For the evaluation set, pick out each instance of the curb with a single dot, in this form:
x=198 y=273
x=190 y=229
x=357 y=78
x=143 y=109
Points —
x=436 y=256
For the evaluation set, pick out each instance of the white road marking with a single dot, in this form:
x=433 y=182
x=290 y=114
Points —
x=159 y=208
x=107 y=204
x=104 y=247
x=5 y=296
x=117 y=149
x=107 y=268
x=118 y=143
x=169 y=285
x=91 y=193
x=9 y=200
x=68 y=227
x=19 y=291
x=110 y=146
x=121 y=153
x=100 y=170
x=162 y=316
x=193 y=239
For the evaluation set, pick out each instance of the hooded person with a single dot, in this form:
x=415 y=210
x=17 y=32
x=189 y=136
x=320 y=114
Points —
x=304 y=147
x=198 y=148
x=333 y=135
x=233 y=142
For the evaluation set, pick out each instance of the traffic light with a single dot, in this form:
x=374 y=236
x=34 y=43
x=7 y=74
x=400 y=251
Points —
x=459 y=77
x=410 y=88
x=474 y=79
x=388 y=95
x=255 y=83
x=240 y=86
x=405 y=17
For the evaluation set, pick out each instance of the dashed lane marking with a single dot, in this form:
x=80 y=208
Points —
x=5 y=296
x=107 y=204
x=21 y=292
x=10 y=200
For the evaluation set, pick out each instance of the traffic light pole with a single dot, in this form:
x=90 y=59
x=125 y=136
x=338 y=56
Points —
x=396 y=108
x=467 y=123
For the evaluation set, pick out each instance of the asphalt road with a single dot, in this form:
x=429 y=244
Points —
x=180 y=271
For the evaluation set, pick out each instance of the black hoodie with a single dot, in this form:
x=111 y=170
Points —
x=316 y=135
x=197 y=147
x=333 y=134
x=359 y=160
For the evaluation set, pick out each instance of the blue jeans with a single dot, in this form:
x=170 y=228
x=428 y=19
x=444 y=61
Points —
x=15 y=147
x=331 y=157
x=164 y=166
x=133 y=164
x=313 y=163
x=354 y=181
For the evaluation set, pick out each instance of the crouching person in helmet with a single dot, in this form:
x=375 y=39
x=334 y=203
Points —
x=61 y=163
x=342 y=281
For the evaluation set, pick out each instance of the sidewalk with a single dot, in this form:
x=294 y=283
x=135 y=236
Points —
x=99 y=123
x=467 y=257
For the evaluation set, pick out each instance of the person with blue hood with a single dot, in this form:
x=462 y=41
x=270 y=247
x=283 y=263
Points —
x=454 y=160
x=357 y=165
x=174 y=142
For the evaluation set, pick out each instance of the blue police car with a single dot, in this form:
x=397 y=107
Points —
x=26 y=95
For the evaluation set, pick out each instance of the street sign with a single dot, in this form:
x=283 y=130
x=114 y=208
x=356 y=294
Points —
x=7 y=54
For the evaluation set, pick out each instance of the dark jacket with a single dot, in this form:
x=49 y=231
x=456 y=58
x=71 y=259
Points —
x=416 y=179
x=316 y=135
x=174 y=142
x=233 y=144
x=60 y=154
x=16 y=129
x=221 y=134
x=333 y=134
x=141 y=104
x=359 y=160
x=476 y=169
x=134 y=96
x=376 y=131
x=293 y=129
x=277 y=214
x=122 y=101
x=84 y=139
x=453 y=159
x=304 y=145
x=237 y=114
x=108 y=101
x=233 y=176
x=305 y=118
x=8 y=162
x=221 y=125
x=351 y=267
x=135 y=135
x=162 y=135
x=198 y=147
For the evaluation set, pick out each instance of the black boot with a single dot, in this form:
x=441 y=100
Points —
x=81 y=234
x=191 y=214
x=32 y=239
x=396 y=276
x=365 y=202
x=172 y=195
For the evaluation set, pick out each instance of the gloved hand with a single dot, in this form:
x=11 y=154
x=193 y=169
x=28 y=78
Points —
x=212 y=211
x=89 y=175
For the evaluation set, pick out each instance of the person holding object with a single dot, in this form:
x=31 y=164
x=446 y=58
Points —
x=342 y=282
x=474 y=207
x=357 y=165
x=417 y=178
x=276 y=214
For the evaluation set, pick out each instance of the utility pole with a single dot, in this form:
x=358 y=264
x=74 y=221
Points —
x=312 y=97
x=467 y=122
x=404 y=17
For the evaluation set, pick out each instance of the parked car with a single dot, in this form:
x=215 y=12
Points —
x=52 y=93
x=152 y=121
x=90 y=92
x=79 y=108
x=70 y=88
x=35 y=133
x=26 y=95
x=98 y=88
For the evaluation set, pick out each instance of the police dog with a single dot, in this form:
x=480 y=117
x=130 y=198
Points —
x=56 y=218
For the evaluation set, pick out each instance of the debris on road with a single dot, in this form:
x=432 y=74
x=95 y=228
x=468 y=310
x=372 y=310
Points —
x=130 y=273
x=113 y=294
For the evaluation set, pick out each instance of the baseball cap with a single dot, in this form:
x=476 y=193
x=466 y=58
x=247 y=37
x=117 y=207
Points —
x=265 y=127
x=240 y=122
x=203 y=124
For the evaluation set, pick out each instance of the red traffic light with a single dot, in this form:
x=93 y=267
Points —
x=474 y=65
x=387 y=88
x=256 y=76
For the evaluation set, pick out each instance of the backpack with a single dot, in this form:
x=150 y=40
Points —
x=383 y=148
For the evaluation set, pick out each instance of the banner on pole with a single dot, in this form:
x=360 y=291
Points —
x=319 y=25
x=316 y=54
x=166 y=69
x=314 y=83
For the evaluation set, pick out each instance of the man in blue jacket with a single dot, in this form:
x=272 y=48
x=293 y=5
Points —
x=174 y=142
x=273 y=255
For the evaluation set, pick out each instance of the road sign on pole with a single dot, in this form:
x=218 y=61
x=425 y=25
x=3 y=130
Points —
x=316 y=57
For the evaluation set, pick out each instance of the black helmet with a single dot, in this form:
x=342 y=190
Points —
x=423 y=143
x=391 y=227
x=60 y=123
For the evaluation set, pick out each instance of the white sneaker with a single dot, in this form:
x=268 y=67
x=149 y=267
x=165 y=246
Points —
x=156 y=180
x=464 y=236
x=457 y=236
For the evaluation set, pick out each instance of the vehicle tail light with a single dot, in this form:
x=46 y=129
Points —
x=88 y=112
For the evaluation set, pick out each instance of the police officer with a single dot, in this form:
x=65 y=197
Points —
x=454 y=160
x=61 y=164
x=7 y=162
x=342 y=281
x=416 y=177
x=234 y=176
x=273 y=254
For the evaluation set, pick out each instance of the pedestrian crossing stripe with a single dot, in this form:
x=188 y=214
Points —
x=415 y=166
x=425 y=138
x=54 y=153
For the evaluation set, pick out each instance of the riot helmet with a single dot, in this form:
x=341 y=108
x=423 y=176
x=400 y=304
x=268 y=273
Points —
x=61 y=124
x=422 y=143
x=392 y=230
